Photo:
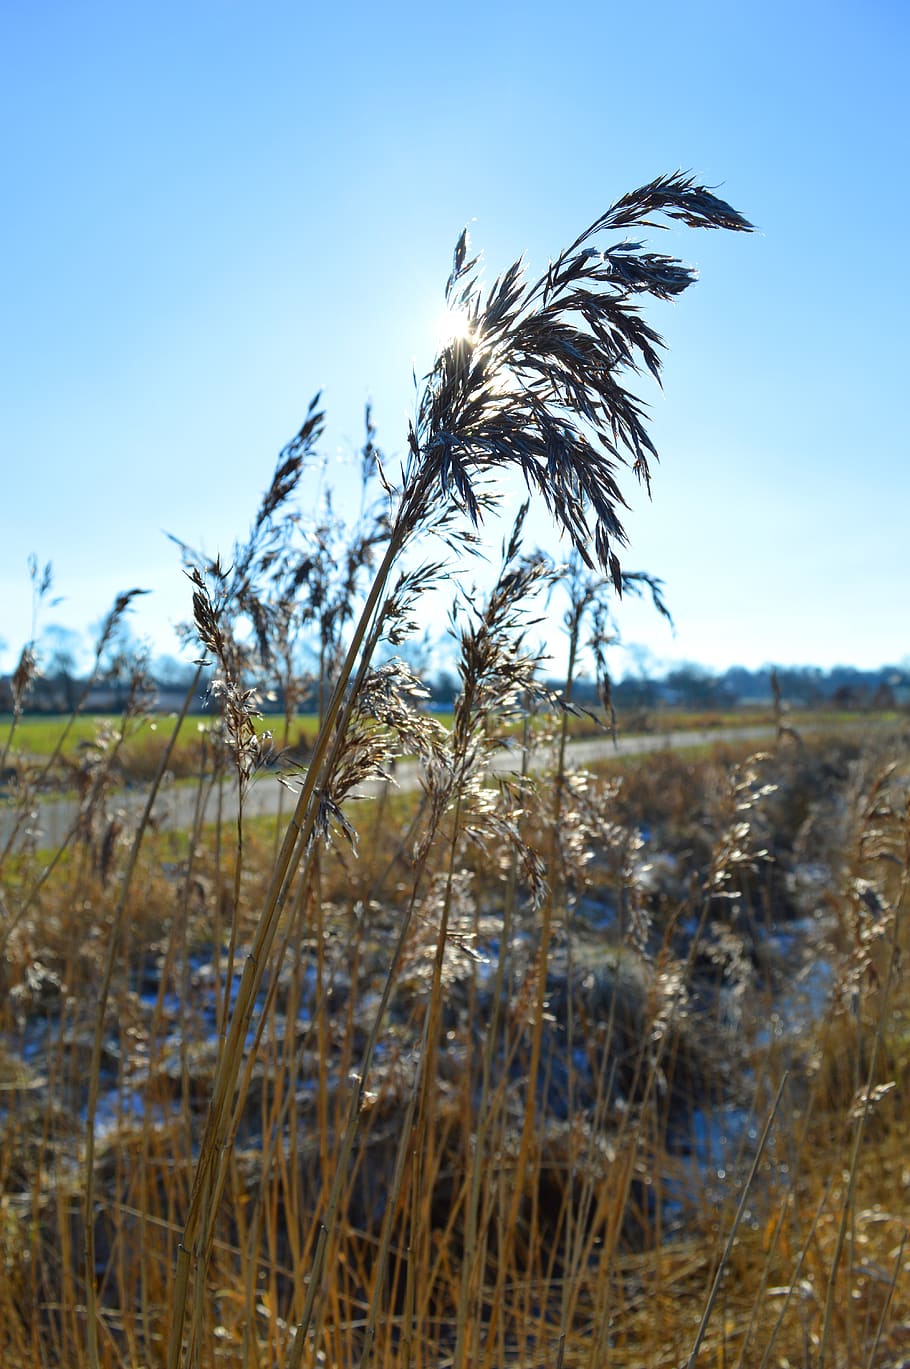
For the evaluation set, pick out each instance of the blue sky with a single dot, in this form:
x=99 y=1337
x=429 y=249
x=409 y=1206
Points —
x=214 y=210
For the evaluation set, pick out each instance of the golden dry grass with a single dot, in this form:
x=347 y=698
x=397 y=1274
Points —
x=591 y=1070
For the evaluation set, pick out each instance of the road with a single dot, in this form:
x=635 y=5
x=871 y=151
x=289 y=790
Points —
x=176 y=804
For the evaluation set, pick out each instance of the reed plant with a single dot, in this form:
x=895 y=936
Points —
x=525 y=1065
x=533 y=383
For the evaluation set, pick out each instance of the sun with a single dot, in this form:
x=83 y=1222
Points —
x=452 y=325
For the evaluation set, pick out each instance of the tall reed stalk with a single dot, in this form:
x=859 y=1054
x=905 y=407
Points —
x=535 y=385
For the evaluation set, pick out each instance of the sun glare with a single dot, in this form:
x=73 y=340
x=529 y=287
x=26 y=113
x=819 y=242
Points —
x=452 y=325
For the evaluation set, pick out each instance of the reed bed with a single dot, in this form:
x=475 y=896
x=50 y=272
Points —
x=511 y=1067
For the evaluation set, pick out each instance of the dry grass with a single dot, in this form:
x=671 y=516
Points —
x=622 y=1212
x=597 y=1070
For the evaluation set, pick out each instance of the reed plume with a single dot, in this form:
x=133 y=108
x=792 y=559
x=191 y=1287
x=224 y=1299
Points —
x=536 y=385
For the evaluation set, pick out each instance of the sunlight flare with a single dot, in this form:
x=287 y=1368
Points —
x=452 y=325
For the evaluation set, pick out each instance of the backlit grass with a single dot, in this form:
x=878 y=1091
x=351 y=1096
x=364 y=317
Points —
x=529 y=1069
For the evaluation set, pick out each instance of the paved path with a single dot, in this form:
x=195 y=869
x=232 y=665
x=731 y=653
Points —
x=176 y=806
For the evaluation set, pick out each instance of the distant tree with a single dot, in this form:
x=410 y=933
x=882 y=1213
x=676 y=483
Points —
x=172 y=673
x=443 y=687
x=639 y=688
x=64 y=647
x=695 y=686
x=121 y=654
x=883 y=697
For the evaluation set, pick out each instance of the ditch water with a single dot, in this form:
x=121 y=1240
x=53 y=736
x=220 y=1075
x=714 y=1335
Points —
x=710 y=1137
x=715 y=1140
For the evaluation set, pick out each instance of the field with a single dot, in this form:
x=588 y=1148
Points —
x=512 y=1065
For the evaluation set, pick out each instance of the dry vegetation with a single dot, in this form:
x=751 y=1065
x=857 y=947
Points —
x=556 y=1068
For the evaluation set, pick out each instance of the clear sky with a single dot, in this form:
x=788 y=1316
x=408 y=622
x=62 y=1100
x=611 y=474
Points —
x=212 y=210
